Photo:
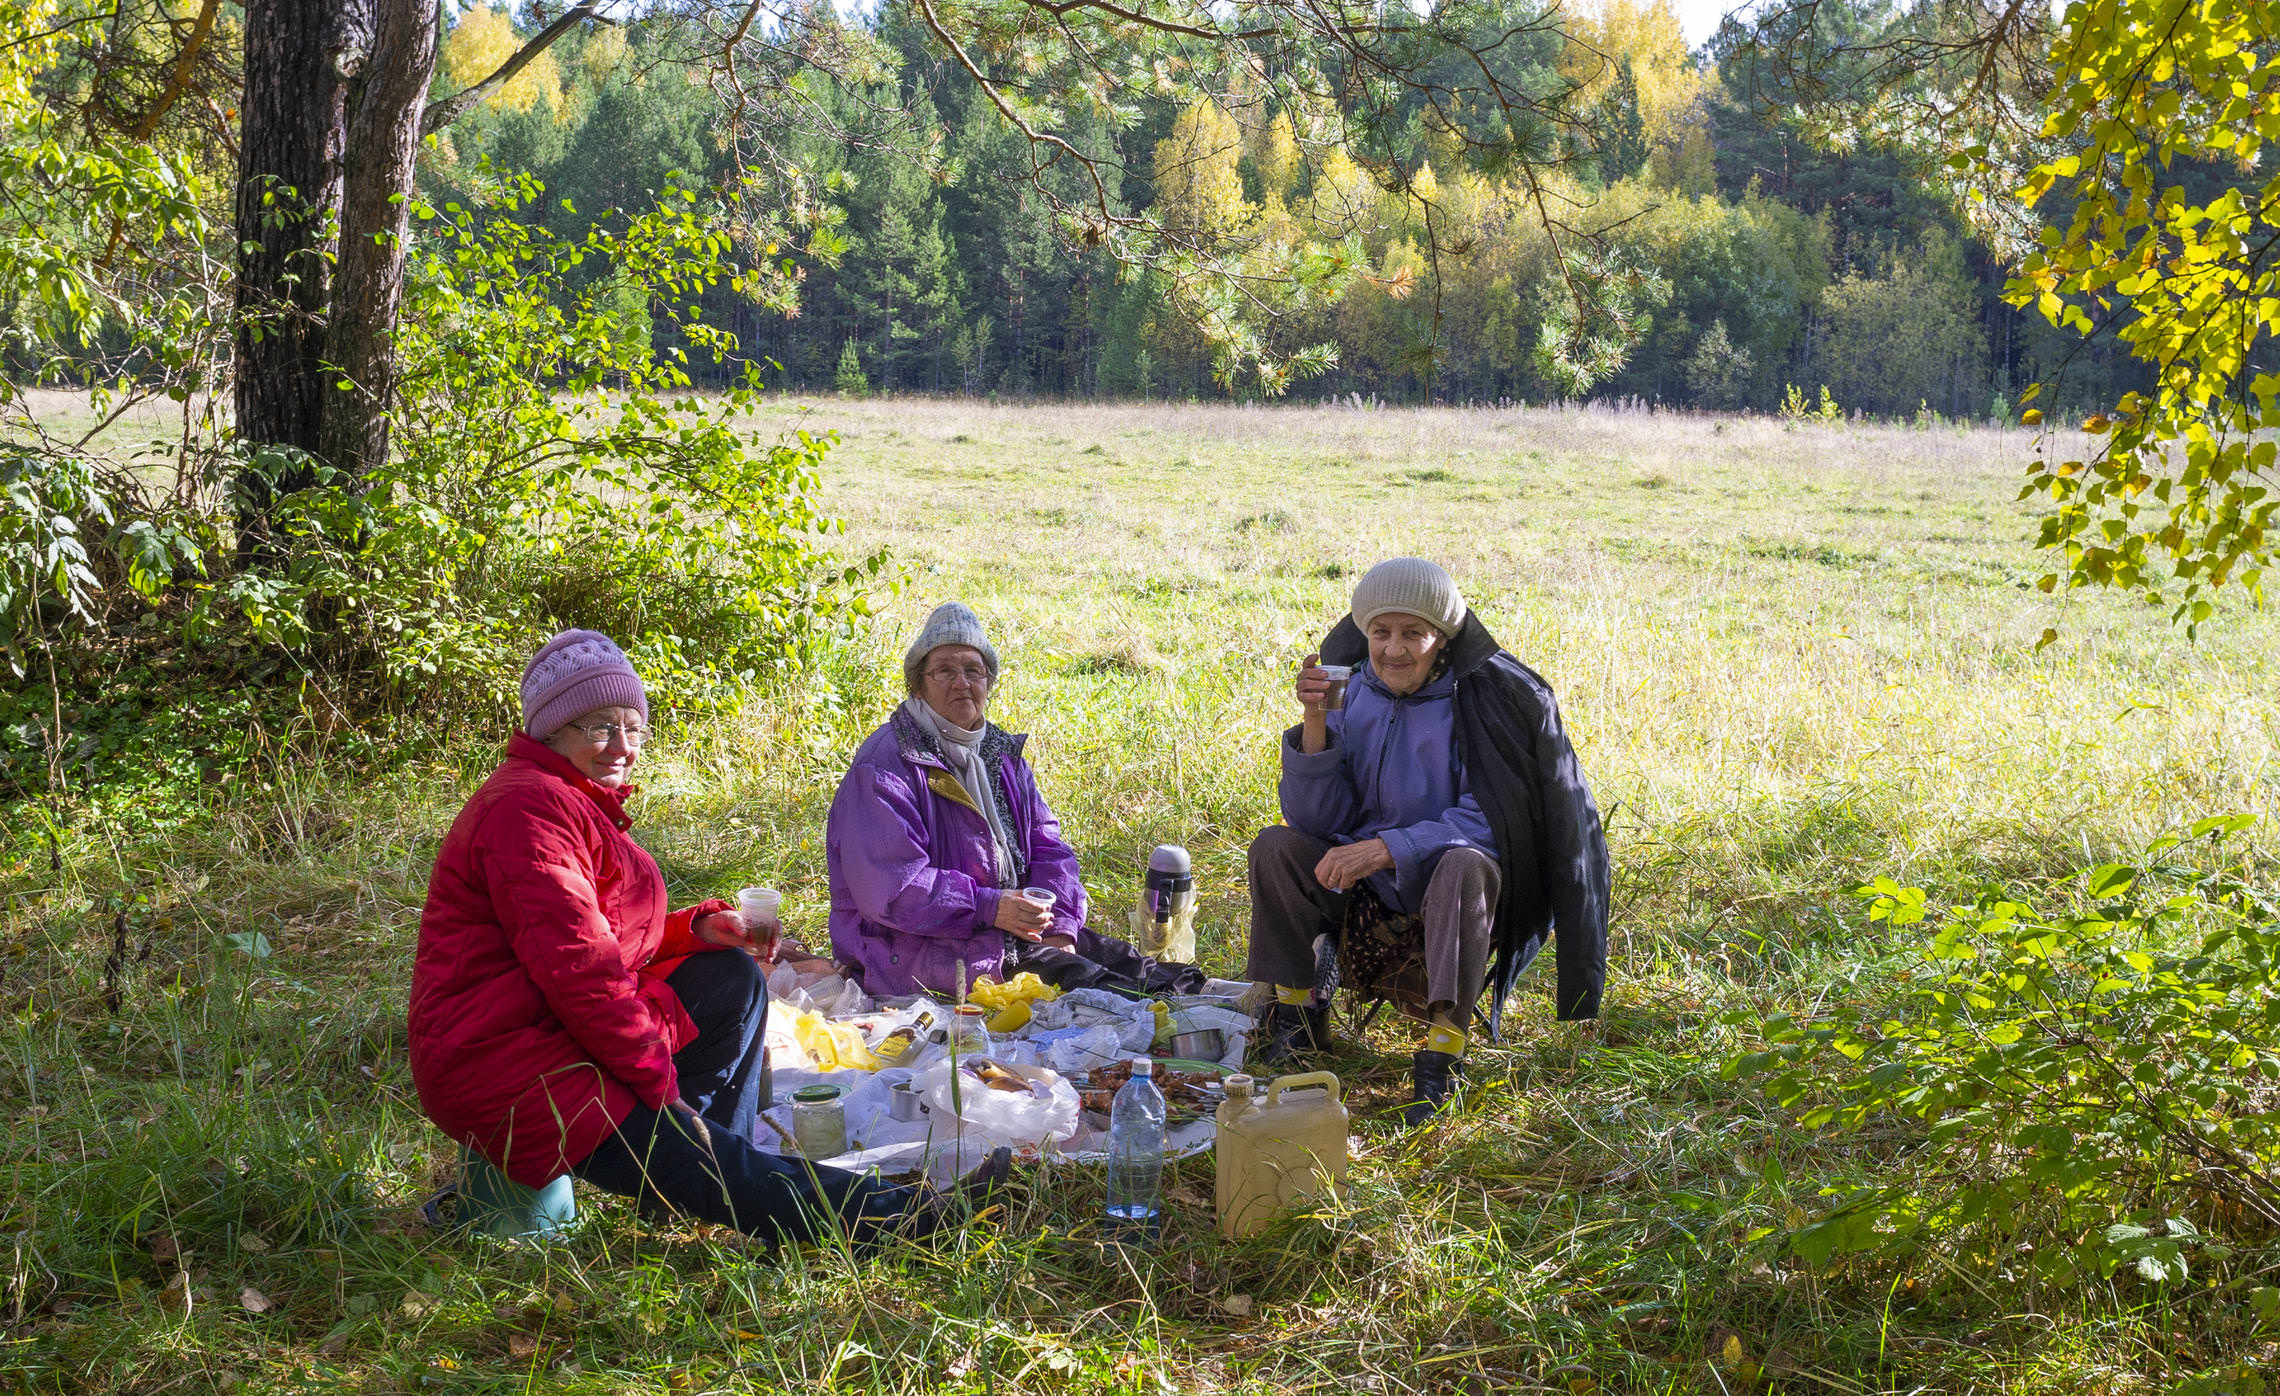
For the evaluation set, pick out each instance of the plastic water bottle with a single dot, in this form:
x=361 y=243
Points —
x=1136 y=1158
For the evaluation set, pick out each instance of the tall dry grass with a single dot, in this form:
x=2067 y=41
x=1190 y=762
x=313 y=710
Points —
x=1791 y=659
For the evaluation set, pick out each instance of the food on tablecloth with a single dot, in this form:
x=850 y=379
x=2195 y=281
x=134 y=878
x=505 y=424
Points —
x=996 y=1077
x=1186 y=1092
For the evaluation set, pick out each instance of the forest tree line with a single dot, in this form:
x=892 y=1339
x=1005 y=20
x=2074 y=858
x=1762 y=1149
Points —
x=1760 y=260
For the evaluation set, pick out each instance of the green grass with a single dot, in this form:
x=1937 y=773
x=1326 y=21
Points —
x=1790 y=660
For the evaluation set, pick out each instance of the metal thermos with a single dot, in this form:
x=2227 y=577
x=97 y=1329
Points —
x=1171 y=876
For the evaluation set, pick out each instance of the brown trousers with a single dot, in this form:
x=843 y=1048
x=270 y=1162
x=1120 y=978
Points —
x=1289 y=909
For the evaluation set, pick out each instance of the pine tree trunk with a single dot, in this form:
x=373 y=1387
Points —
x=368 y=287
x=292 y=131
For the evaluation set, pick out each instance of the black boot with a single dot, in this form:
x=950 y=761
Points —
x=1432 y=1076
x=1292 y=1031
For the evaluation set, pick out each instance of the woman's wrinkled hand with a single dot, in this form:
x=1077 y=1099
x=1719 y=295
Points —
x=1019 y=916
x=727 y=930
x=1313 y=687
x=1349 y=863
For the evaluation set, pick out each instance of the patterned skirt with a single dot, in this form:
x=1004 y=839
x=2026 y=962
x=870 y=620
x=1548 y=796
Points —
x=1381 y=953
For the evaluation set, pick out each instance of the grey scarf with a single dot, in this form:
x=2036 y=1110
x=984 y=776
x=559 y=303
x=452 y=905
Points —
x=962 y=749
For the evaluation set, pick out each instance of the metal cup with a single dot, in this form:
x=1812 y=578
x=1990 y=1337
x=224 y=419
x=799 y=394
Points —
x=903 y=1103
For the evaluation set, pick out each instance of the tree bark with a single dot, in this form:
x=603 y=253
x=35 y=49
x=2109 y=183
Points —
x=292 y=131
x=383 y=122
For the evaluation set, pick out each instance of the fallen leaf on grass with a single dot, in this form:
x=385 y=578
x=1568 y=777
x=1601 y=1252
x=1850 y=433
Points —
x=253 y=1301
x=252 y=1241
x=521 y=1344
x=333 y=1346
x=164 y=1249
x=176 y=1296
x=1236 y=1306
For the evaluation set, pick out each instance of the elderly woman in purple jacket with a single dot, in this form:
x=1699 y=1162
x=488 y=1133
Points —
x=938 y=836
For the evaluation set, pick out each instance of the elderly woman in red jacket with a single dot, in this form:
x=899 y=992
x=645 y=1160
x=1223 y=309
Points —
x=563 y=1021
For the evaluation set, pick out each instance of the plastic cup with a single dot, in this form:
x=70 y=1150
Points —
x=1338 y=676
x=759 y=907
x=1041 y=896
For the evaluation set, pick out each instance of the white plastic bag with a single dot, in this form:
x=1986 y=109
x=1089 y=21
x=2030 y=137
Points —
x=975 y=1113
x=1088 y=1050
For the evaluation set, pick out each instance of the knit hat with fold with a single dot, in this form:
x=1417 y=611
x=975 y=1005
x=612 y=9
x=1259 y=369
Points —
x=952 y=623
x=574 y=673
x=1411 y=586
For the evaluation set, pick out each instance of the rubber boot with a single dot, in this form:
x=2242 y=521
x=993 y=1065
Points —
x=1432 y=1076
x=1293 y=1030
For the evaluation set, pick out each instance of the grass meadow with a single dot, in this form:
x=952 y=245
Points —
x=1791 y=660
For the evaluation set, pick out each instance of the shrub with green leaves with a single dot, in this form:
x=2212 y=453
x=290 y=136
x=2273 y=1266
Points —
x=2097 y=1086
x=553 y=469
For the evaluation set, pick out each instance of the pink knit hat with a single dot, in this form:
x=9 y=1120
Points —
x=574 y=673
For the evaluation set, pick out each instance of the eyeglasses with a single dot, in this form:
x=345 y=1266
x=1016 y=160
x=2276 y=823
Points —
x=975 y=676
x=603 y=733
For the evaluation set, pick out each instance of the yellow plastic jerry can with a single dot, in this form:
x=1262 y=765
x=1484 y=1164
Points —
x=1278 y=1151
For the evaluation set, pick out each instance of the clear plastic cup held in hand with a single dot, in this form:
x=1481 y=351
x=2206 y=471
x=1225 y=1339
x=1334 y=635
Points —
x=760 y=908
x=1136 y=1158
x=1043 y=898
x=1338 y=675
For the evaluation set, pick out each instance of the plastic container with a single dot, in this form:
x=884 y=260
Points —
x=760 y=907
x=1338 y=677
x=497 y=1205
x=1281 y=1150
x=819 y=1122
x=1136 y=1158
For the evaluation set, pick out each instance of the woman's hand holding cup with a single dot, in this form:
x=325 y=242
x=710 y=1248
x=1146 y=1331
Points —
x=1020 y=914
x=1313 y=685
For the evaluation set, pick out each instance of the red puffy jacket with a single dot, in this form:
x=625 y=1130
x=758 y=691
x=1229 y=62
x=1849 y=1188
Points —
x=539 y=1009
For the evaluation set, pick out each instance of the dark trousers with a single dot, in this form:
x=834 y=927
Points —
x=1101 y=962
x=1289 y=908
x=712 y=1171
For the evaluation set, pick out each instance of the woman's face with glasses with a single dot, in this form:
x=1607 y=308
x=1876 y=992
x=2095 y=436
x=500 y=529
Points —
x=603 y=744
x=955 y=683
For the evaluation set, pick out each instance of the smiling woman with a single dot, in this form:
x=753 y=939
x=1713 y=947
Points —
x=1438 y=816
x=936 y=825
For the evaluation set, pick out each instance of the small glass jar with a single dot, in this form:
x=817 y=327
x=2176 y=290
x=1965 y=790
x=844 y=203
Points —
x=970 y=1030
x=819 y=1122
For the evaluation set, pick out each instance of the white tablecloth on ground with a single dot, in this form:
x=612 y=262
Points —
x=1083 y=1030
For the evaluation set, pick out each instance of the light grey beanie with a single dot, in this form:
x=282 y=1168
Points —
x=1412 y=586
x=951 y=623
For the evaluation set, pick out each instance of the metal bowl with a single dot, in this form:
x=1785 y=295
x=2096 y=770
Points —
x=1201 y=1044
x=904 y=1102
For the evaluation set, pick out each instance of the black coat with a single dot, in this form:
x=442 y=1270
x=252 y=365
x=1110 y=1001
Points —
x=1549 y=843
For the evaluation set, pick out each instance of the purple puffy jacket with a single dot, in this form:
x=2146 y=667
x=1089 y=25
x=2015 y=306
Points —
x=910 y=861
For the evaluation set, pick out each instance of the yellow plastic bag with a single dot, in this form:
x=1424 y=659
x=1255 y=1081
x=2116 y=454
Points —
x=999 y=995
x=835 y=1046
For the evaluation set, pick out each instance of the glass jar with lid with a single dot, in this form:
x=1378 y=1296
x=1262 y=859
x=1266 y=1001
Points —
x=819 y=1122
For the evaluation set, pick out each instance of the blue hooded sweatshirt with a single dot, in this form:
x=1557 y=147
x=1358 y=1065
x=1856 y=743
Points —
x=1391 y=771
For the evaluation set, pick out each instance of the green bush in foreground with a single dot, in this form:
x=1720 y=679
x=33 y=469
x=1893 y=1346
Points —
x=2101 y=1085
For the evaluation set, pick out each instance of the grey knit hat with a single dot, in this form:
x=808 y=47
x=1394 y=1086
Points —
x=951 y=623
x=1414 y=587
